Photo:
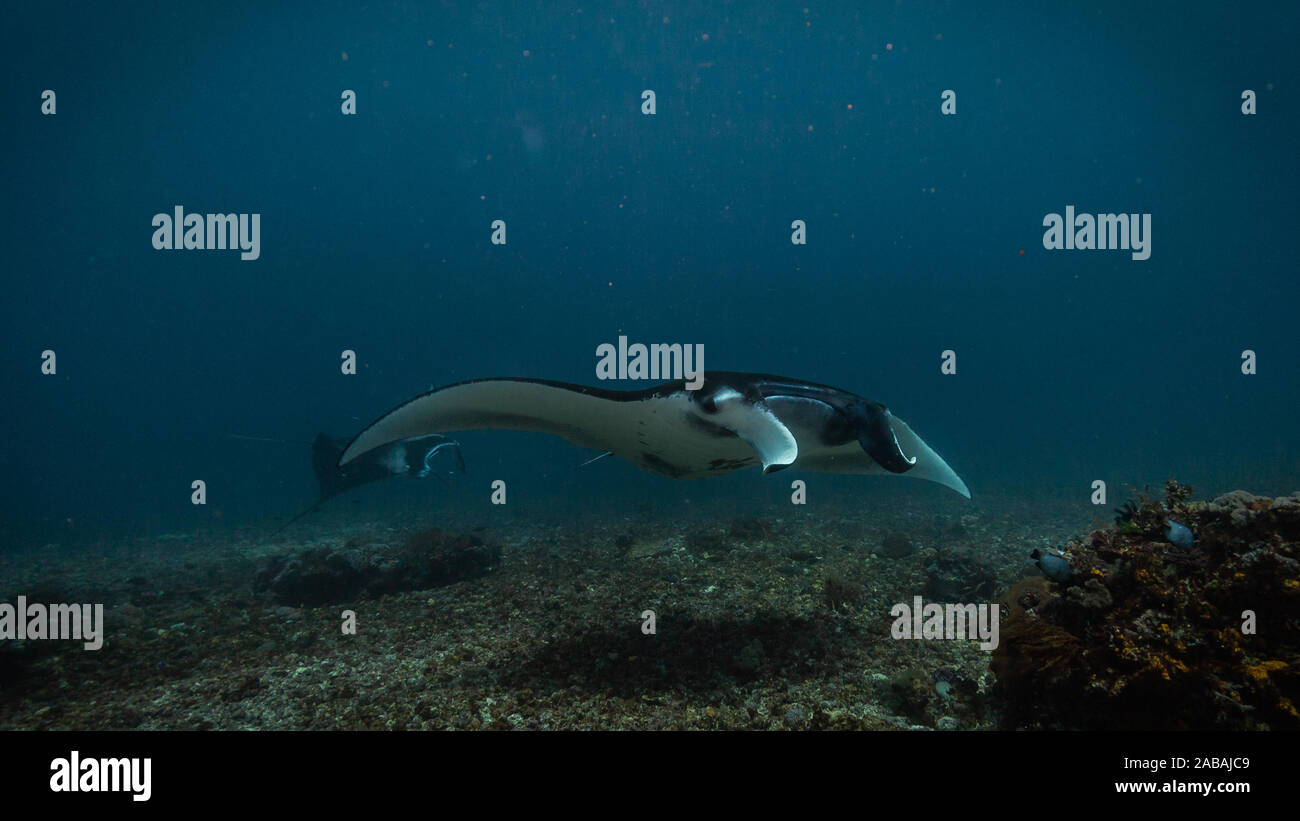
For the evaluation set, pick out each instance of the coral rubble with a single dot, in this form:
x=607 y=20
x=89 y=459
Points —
x=324 y=575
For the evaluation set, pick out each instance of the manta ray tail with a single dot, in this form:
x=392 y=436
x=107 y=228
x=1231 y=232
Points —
x=315 y=507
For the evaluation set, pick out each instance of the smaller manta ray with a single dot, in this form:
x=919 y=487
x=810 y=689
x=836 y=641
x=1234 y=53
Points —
x=414 y=457
x=733 y=421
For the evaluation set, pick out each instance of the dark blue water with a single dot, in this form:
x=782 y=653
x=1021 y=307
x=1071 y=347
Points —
x=375 y=237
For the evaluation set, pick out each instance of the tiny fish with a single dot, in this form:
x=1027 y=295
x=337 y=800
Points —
x=1179 y=535
x=1054 y=566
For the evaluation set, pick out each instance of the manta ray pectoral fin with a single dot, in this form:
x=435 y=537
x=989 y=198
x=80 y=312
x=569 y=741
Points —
x=588 y=419
x=755 y=423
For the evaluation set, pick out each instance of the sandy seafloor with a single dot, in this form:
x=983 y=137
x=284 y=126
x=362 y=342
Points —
x=749 y=632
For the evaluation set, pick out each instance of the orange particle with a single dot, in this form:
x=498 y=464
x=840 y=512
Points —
x=889 y=46
x=1022 y=252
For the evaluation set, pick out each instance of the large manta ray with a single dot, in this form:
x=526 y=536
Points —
x=733 y=421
